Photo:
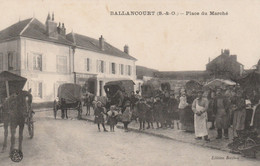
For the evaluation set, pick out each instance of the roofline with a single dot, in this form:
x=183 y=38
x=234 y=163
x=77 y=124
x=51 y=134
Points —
x=10 y=39
x=46 y=41
x=80 y=47
x=26 y=26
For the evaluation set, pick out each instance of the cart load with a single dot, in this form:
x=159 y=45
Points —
x=118 y=91
x=69 y=97
x=192 y=86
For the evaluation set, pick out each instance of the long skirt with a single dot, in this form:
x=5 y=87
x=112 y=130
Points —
x=186 y=119
x=99 y=119
x=200 y=125
x=149 y=116
x=239 y=119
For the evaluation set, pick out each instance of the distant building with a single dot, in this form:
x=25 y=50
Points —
x=48 y=57
x=225 y=66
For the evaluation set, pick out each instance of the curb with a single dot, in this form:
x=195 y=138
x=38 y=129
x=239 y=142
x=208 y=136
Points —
x=205 y=145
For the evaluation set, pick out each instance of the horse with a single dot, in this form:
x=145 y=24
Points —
x=15 y=111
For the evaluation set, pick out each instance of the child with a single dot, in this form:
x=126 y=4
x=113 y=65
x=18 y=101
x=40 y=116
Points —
x=99 y=115
x=112 y=118
x=126 y=115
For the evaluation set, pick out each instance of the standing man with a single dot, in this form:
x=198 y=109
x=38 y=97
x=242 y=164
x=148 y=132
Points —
x=199 y=107
x=172 y=106
x=141 y=113
x=220 y=109
x=158 y=112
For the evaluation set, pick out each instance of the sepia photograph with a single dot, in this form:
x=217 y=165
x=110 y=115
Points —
x=129 y=83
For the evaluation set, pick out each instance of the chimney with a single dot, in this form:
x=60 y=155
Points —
x=51 y=27
x=226 y=52
x=101 y=43
x=63 y=29
x=126 y=49
x=221 y=51
x=59 y=29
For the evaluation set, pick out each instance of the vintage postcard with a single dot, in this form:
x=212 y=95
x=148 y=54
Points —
x=133 y=82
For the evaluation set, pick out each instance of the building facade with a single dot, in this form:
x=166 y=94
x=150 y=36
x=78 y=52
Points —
x=47 y=57
x=225 y=66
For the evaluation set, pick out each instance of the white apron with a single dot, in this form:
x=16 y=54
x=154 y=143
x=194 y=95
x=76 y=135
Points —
x=200 y=122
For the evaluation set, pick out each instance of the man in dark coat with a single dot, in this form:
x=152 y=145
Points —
x=172 y=107
x=149 y=114
x=142 y=108
x=220 y=109
x=158 y=112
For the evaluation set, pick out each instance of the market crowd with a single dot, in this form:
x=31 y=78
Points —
x=191 y=112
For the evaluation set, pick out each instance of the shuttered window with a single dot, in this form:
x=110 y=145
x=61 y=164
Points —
x=10 y=60
x=129 y=70
x=121 y=69
x=101 y=66
x=62 y=64
x=87 y=64
x=37 y=62
x=113 y=68
x=37 y=89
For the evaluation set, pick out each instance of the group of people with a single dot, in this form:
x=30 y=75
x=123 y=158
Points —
x=222 y=107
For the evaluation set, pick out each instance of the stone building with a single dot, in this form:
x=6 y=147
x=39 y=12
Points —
x=48 y=57
x=225 y=66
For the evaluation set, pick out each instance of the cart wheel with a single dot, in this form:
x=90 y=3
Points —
x=55 y=109
x=31 y=128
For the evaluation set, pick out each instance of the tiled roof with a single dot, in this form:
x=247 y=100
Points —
x=31 y=28
x=37 y=30
x=93 y=45
x=14 y=30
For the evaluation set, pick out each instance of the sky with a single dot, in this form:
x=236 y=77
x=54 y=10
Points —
x=166 y=43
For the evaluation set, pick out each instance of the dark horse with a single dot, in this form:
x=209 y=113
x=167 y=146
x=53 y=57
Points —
x=15 y=111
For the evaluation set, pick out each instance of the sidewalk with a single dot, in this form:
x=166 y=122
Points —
x=176 y=135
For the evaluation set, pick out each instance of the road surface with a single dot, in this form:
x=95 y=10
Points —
x=73 y=143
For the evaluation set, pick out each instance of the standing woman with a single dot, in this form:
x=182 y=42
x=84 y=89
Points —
x=182 y=105
x=211 y=116
x=99 y=116
x=199 y=107
x=127 y=115
x=239 y=113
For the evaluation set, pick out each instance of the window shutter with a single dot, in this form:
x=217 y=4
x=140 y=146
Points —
x=97 y=66
x=125 y=72
x=105 y=69
x=14 y=61
x=44 y=62
x=116 y=68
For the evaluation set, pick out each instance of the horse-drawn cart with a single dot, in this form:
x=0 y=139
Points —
x=69 y=97
x=15 y=109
